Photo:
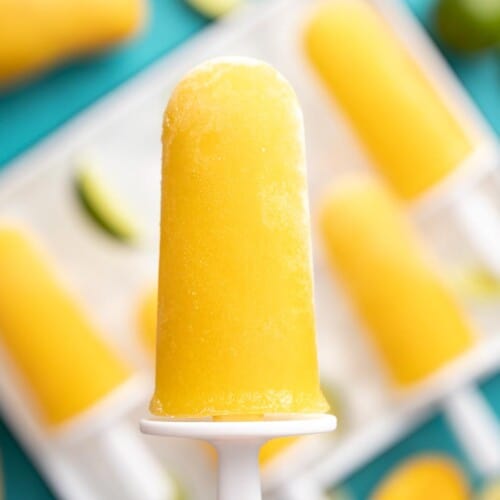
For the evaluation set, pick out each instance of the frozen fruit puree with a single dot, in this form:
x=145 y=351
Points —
x=236 y=329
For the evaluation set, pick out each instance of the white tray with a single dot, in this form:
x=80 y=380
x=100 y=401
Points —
x=123 y=133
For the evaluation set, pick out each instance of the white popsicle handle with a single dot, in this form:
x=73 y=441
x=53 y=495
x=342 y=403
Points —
x=302 y=488
x=238 y=445
x=480 y=221
x=132 y=466
x=238 y=469
x=477 y=429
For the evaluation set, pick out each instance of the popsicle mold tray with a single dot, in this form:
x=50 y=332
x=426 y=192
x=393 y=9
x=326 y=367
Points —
x=122 y=135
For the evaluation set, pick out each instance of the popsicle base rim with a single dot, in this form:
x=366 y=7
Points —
x=268 y=427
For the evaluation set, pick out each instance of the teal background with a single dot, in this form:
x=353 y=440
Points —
x=30 y=113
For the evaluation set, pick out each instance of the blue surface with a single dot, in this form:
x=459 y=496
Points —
x=29 y=114
x=22 y=481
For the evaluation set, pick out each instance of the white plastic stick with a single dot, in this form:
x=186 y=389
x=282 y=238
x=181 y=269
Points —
x=480 y=221
x=302 y=488
x=131 y=464
x=238 y=445
x=477 y=429
x=238 y=472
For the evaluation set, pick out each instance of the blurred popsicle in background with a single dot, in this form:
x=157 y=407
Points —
x=54 y=346
x=78 y=385
x=35 y=36
x=413 y=320
x=414 y=139
x=389 y=101
x=412 y=317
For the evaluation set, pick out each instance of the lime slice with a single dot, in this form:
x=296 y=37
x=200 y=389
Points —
x=179 y=492
x=477 y=283
x=104 y=206
x=469 y=25
x=213 y=8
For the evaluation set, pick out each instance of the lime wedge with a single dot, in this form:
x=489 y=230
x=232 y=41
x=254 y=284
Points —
x=469 y=25
x=104 y=205
x=213 y=8
x=477 y=283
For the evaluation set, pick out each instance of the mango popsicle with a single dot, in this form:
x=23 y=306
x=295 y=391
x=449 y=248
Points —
x=410 y=315
x=35 y=36
x=424 y=477
x=57 y=351
x=236 y=331
x=404 y=125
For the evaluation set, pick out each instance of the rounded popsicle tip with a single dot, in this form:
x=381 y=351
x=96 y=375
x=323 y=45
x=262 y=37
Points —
x=318 y=32
x=223 y=64
x=234 y=101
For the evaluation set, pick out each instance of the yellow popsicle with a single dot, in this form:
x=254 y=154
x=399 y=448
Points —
x=406 y=128
x=424 y=478
x=236 y=330
x=57 y=351
x=36 y=35
x=409 y=313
